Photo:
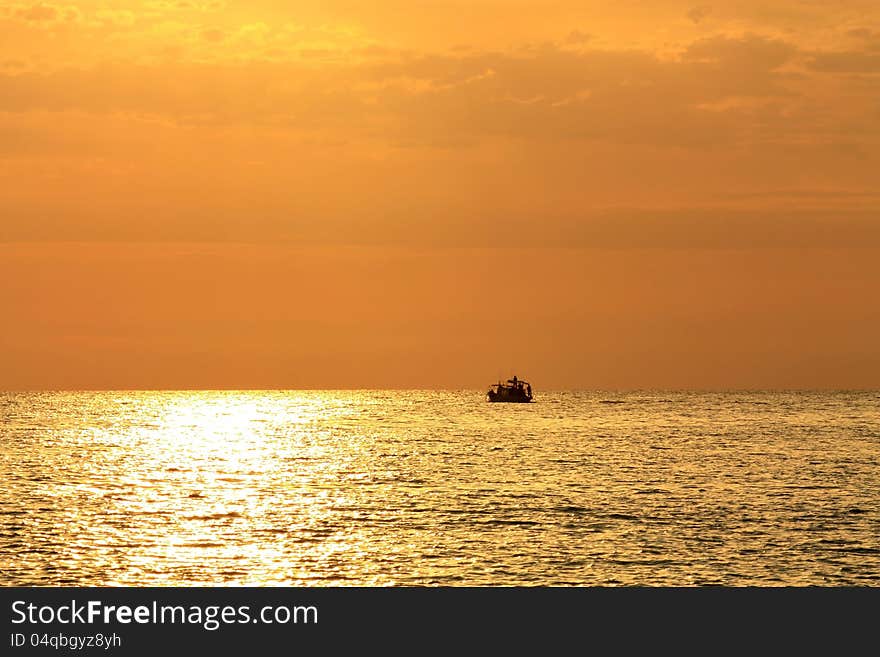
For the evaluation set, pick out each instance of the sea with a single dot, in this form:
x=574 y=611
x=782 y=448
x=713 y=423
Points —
x=425 y=488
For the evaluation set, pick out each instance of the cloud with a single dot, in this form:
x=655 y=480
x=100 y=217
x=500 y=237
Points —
x=716 y=92
x=750 y=52
x=717 y=227
x=697 y=14
x=185 y=5
x=114 y=17
x=731 y=95
x=38 y=12
x=576 y=37
x=845 y=62
x=863 y=33
x=41 y=13
x=213 y=34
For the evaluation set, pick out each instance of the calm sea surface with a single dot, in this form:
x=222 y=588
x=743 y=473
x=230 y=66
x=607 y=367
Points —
x=439 y=488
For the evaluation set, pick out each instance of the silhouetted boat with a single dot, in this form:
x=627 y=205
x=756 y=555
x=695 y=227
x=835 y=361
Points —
x=513 y=390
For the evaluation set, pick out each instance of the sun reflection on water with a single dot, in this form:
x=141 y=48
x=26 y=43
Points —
x=208 y=468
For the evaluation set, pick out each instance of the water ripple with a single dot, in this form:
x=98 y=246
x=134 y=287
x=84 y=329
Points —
x=439 y=488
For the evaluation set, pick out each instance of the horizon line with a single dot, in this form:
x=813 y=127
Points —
x=447 y=389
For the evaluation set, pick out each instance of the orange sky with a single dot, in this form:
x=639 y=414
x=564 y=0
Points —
x=339 y=194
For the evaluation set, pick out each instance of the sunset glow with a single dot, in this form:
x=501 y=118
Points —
x=666 y=194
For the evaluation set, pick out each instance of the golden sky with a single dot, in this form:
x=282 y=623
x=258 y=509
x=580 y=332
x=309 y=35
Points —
x=338 y=194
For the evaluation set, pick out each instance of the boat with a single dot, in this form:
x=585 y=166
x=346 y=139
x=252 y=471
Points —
x=513 y=390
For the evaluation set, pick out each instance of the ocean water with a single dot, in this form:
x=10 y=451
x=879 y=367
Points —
x=386 y=488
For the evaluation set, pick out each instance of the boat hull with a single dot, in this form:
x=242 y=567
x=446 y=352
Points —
x=507 y=398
